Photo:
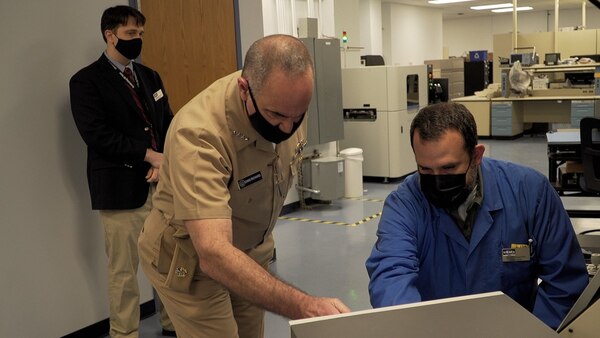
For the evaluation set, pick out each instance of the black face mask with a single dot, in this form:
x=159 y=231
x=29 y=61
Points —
x=130 y=49
x=268 y=131
x=445 y=191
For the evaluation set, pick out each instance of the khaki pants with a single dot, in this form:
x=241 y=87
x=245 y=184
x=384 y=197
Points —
x=121 y=230
x=207 y=308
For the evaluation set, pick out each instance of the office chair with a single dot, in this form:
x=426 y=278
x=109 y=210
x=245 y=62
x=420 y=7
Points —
x=590 y=155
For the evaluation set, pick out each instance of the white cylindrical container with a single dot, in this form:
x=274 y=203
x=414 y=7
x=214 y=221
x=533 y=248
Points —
x=353 y=172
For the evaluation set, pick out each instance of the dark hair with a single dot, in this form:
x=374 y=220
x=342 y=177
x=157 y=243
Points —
x=116 y=16
x=433 y=121
x=281 y=52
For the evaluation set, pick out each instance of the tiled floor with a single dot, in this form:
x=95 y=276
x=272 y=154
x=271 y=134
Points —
x=328 y=259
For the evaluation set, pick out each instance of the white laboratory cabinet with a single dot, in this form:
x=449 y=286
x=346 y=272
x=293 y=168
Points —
x=380 y=103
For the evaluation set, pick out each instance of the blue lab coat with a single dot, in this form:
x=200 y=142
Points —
x=421 y=254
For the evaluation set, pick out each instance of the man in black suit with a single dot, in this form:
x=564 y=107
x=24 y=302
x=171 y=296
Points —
x=122 y=112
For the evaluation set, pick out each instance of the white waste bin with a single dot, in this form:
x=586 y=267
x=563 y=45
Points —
x=353 y=175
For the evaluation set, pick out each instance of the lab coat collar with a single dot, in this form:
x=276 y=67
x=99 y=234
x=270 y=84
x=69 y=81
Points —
x=491 y=203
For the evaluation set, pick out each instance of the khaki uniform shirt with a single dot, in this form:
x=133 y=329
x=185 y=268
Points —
x=216 y=166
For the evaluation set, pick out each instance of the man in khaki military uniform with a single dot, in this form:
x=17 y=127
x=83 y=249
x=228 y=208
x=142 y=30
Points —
x=230 y=158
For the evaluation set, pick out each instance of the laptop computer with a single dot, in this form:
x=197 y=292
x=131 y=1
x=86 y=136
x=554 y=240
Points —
x=587 y=298
x=490 y=315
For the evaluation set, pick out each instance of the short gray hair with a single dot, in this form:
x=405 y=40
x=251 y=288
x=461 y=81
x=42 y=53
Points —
x=275 y=52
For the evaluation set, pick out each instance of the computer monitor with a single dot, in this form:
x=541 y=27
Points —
x=516 y=57
x=526 y=59
x=588 y=297
x=490 y=315
x=551 y=59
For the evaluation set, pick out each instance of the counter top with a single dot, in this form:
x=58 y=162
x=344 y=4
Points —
x=565 y=138
x=547 y=98
x=472 y=98
x=581 y=206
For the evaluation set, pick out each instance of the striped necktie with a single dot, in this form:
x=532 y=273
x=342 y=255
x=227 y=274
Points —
x=132 y=83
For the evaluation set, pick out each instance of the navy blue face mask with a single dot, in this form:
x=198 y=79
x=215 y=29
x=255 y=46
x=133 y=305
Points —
x=268 y=131
x=445 y=191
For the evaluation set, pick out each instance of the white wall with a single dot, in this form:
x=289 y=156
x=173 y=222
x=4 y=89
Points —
x=572 y=17
x=275 y=17
x=51 y=248
x=347 y=18
x=411 y=34
x=362 y=21
x=282 y=16
x=327 y=18
x=250 y=12
x=371 y=27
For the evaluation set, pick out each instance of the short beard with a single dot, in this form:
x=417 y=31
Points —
x=472 y=176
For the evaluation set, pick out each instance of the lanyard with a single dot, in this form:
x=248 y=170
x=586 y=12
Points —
x=137 y=84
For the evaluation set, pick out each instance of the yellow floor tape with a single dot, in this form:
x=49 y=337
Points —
x=364 y=220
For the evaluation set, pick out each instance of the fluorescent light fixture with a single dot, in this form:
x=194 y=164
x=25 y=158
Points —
x=503 y=10
x=441 y=2
x=496 y=6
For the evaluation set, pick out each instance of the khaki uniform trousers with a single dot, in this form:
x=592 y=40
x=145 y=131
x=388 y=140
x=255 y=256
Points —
x=206 y=309
x=121 y=232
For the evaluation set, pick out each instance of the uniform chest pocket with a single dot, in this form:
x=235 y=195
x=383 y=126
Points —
x=252 y=196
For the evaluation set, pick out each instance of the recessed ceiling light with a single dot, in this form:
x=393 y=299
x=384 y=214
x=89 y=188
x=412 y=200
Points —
x=503 y=10
x=479 y=8
x=441 y=2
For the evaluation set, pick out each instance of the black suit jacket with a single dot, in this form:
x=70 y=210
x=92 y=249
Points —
x=116 y=133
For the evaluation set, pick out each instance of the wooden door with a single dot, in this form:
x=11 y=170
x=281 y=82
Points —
x=191 y=43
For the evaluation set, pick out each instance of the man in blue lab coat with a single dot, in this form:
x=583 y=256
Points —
x=464 y=224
